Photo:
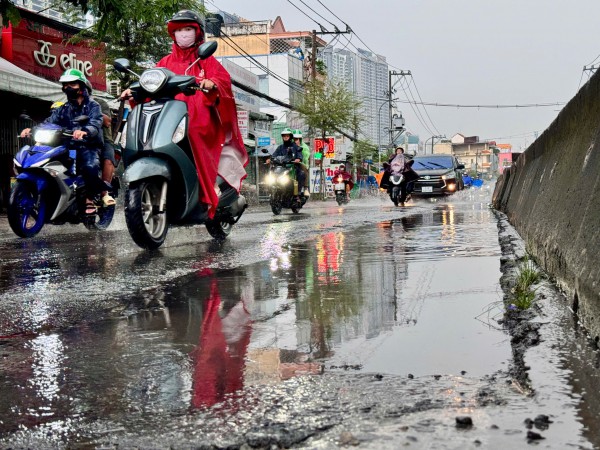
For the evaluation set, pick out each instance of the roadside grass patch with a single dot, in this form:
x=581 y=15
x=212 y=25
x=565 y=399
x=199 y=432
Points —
x=523 y=294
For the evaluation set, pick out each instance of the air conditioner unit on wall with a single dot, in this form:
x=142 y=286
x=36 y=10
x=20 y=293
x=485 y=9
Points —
x=113 y=88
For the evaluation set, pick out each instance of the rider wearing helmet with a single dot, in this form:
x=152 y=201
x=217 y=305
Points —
x=75 y=86
x=288 y=147
x=305 y=150
x=216 y=141
x=297 y=134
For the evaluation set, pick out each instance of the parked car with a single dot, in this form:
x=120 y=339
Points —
x=438 y=175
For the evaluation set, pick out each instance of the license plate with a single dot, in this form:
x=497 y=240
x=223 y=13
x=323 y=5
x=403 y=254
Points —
x=340 y=187
x=427 y=189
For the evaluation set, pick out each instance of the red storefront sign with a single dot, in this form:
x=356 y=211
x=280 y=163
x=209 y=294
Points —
x=45 y=51
x=325 y=146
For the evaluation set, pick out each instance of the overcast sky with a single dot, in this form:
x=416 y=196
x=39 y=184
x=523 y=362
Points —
x=482 y=52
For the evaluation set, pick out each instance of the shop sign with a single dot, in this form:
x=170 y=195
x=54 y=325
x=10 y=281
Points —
x=47 y=52
x=243 y=122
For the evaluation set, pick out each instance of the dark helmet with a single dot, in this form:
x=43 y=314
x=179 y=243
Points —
x=186 y=15
x=184 y=18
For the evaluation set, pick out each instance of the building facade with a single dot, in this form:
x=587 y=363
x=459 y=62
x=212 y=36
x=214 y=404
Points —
x=366 y=74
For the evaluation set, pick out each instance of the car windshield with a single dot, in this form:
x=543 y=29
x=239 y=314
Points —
x=432 y=162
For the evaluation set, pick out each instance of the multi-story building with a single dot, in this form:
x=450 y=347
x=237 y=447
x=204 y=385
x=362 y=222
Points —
x=276 y=55
x=365 y=74
x=477 y=156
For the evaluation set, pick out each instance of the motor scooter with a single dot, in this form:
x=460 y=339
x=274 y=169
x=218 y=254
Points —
x=339 y=189
x=162 y=182
x=47 y=188
x=283 y=185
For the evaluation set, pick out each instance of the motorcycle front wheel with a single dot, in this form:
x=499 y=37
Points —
x=146 y=224
x=26 y=210
x=395 y=196
x=276 y=206
x=341 y=199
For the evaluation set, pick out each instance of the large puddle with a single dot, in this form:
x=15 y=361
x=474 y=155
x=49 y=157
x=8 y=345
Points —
x=413 y=296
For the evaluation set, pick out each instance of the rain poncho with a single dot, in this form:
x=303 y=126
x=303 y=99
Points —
x=213 y=131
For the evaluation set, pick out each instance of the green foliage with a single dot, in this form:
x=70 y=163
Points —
x=9 y=13
x=363 y=150
x=527 y=276
x=135 y=29
x=328 y=106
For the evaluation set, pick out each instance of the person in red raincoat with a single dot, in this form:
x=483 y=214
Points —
x=217 y=144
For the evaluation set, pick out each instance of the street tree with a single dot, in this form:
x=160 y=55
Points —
x=328 y=106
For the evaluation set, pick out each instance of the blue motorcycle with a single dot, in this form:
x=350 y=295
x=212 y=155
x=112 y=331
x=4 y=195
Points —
x=47 y=188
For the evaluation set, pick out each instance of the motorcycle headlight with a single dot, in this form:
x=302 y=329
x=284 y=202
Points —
x=270 y=179
x=284 y=179
x=152 y=80
x=45 y=137
x=179 y=131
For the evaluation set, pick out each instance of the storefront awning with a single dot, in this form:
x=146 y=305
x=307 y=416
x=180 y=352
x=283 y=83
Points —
x=18 y=81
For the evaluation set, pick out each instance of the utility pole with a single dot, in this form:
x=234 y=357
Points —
x=313 y=76
x=402 y=73
x=591 y=69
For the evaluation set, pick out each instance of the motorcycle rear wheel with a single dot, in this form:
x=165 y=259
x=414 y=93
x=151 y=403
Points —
x=147 y=226
x=218 y=230
x=26 y=210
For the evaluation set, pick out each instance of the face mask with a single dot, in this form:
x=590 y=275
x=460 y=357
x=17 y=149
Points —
x=72 y=93
x=185 y=38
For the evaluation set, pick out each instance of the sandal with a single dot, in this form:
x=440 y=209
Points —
x=108 y=200
x=90 y=208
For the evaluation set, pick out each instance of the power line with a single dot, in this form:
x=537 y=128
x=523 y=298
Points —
x=425 y=109
x=249 y=57
x=454 y=105
x=299 y=9
x=324 y=18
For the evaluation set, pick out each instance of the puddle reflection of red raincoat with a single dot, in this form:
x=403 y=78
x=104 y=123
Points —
x=219 y=360
x=213 y=122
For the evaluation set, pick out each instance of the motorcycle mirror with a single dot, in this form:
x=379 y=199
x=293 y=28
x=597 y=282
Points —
x=81 y=119
x=25 y=117
x=207 y=49
x=122 y=65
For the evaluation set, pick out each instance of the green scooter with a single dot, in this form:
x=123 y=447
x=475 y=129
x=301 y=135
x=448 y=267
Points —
x=160 y=174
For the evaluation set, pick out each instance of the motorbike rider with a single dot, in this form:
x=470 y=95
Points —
x=297 y=135
x=289 y=148
x=107 y=156
x=346 y=177
x=216 y=141
x=398 y=163
x=79 y=103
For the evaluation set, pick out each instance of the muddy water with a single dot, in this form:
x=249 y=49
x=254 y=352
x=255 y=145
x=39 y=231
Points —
x=412 y=296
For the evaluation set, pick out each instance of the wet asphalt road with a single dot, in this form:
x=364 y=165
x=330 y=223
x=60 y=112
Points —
x=364 y=325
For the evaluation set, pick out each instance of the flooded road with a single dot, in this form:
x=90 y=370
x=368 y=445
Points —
x=364 y=325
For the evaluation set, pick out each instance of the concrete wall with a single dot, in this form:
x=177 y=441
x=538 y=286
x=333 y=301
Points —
x=551 y=195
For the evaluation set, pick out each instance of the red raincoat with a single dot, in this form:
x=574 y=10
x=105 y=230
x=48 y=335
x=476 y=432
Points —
x=213 y=123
